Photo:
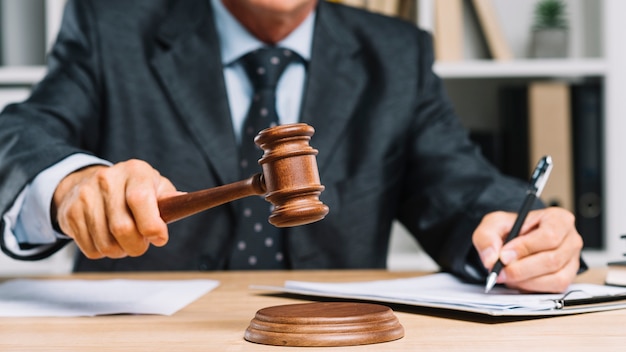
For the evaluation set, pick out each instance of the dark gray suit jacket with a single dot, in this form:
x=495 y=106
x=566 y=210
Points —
x=143 y=79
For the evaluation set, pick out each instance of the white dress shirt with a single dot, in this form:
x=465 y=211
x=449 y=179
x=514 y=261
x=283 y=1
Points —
x=28 y=220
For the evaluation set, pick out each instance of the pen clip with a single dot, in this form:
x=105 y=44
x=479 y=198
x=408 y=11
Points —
x=540 y=175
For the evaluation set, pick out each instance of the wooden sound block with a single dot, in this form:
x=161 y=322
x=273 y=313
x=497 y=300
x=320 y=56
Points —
x=324 y=324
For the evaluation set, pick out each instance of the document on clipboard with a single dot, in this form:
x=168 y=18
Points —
x=446 y=291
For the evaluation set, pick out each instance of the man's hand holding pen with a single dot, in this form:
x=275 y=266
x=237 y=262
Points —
x=545 y=257
x=536 y=251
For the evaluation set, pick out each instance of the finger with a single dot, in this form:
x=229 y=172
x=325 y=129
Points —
x=489 y=235
x=544 y=263
x=538 y=264
x=72 y=221
x=141 y=197
x=101 y=234
x=555 y=282
x=544 y=230
x=124 y=238
x=96 y=219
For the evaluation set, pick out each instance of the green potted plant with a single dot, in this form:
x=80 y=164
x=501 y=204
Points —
x=550 y=30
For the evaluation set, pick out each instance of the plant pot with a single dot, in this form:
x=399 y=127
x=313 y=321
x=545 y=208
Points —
x=549 y=43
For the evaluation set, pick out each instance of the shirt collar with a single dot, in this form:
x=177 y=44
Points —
x=236 y=41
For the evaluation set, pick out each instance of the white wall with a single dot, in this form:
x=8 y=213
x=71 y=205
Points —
x=406 y=254
x=59 y=263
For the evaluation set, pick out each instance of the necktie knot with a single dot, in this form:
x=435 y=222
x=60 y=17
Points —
x=264 y=66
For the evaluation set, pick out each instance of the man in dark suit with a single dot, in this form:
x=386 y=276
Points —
x=139 y=86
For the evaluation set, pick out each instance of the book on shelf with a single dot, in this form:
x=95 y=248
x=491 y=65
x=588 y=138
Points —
x=565 y=121
x=386 y=7
x=395 y=8
x=587 y=139
x=616 y=273
x=535 y=121
x=513 y=111
x=448 y=30
x=491 y=27
x=407 y=9
x=355 y=3
x=550 y=132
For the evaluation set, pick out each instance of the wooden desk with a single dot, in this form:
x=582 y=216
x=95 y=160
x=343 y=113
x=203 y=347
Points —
x=217 y=321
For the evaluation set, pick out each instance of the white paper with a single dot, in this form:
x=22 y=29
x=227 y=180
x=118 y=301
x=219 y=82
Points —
x=64 y=298
x=443 y=290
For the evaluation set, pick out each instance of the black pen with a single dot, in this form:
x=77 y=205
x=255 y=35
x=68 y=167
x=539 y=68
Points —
x=538 y=180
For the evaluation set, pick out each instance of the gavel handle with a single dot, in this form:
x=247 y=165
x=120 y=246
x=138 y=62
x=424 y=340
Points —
x=180 y=206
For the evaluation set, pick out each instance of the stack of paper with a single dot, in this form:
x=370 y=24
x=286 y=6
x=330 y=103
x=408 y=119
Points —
x=446 y=291
x=36 y=298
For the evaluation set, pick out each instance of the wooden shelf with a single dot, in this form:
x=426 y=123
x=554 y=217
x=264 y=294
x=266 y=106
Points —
x=21 y=75
x=522 y=68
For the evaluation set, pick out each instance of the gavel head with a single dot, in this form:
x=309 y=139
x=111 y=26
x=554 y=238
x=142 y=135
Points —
x=291 y=176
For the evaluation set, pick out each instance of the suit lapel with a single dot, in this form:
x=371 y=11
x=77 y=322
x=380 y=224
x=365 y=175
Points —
x=336 y=79
x=187 y=61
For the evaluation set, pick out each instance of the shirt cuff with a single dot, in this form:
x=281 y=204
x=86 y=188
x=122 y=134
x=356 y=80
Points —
x=28 y=220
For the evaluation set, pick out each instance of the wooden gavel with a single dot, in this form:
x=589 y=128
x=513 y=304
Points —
x=290 y=181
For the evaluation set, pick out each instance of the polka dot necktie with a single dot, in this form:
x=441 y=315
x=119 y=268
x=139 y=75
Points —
x=258 y=244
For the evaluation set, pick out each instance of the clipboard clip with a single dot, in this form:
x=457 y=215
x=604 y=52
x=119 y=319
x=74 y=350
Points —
x=564 y=302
